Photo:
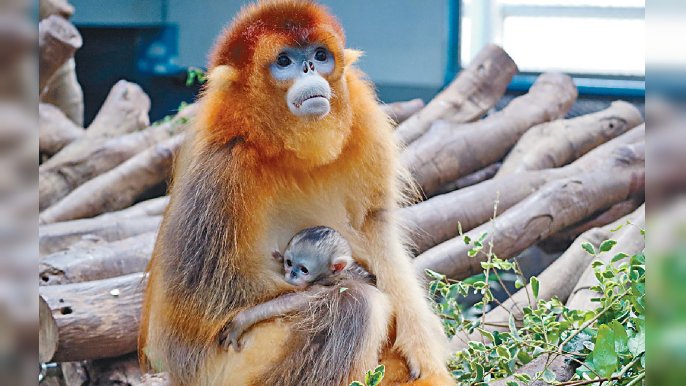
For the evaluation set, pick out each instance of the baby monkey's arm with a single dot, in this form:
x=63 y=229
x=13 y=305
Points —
x=282 y=305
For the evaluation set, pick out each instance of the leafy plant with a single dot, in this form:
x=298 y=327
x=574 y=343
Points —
x=195 y=76
x=605 y=345
x=372 y=377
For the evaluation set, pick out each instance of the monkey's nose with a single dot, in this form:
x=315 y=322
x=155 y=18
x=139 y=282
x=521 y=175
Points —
x=305 y=67
x=308 y=66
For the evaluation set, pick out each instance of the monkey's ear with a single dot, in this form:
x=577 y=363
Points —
x=278 y=256
x=340 y=263
x=351 y=56
x=221 y=76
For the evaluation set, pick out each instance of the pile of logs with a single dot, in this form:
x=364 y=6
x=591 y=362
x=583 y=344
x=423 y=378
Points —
x=553 y=180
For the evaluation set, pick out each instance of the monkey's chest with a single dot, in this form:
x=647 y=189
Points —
x=334 y=208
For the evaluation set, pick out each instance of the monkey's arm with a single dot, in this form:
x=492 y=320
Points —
x=282 y=305
x=419 y=336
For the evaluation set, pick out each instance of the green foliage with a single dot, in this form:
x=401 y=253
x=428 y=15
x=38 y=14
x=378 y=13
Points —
x=605 y=344
x=195 y=76
x=372 y=377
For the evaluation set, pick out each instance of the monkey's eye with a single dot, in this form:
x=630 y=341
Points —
x=289 y=263
x=283 y=61
x=304 y=270
x=320 y=55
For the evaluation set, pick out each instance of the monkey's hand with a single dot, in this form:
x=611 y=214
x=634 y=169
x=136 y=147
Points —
x=231 y=335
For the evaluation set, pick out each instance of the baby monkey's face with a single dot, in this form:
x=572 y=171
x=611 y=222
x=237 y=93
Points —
x=302 y=269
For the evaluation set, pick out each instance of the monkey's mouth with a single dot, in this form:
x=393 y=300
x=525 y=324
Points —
x=298 y=105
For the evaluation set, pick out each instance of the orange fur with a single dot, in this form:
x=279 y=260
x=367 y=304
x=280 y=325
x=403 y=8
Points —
x=251 y=176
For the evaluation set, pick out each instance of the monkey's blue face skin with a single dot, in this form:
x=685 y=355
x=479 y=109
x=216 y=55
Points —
x=303 y=269
x=310 y=93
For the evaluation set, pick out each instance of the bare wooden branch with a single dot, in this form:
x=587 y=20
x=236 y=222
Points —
x=557 y=205
x=475 y=90
x=400 y=111
x=448 y=152
x=557 y=143
x=55 y=7
x=471 y=179
x=64 y=91
x=563 y=238
x=95 y=319
x=436 y=220
x=60 y=236
x=103 y=261
x=58 y=40
x=117 y=188
x=56 y=130
x=89 y=157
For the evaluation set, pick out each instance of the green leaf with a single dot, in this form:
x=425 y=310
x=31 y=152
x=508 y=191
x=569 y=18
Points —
x=342 y=289
x=535 y=285
x=356 y=383
x=619 y=256
x=512 y=383
x=637 y=343
x=373 y=378
x=549 y=376
x=588 y=247
x=467 y=240
x=503 y=352
x=621 y=337
x=526 y=378
x=518 y=283
x=604 y=354
x=607 y=245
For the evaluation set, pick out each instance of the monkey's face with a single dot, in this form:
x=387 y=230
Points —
x=304 y=69
x=277 y=79
x=301 y=270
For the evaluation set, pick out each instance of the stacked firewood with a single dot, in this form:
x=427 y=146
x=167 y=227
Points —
x=523 y=174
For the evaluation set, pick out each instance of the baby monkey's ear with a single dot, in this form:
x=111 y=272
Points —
x=277 y=256
x=340 y=263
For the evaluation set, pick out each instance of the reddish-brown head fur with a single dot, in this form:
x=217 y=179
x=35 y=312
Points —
x=243 y=99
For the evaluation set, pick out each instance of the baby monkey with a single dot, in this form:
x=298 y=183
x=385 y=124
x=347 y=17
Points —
x=317 y=255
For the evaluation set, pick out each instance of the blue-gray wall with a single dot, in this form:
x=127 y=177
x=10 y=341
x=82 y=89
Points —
x=405 y=40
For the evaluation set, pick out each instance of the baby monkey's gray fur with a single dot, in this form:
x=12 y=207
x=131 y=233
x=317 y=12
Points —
x=318 y=255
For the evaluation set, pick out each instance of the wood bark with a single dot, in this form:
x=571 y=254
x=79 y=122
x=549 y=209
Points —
x=629 y=240
x=476 y=89
x=123 y=371
x=436 y=220
x=55 y=7
x=400 y=111
x=55 y=129
x=560 y=142
x=47 y=332
x=95 y=319
x=558 y=280
x=471 y=179
x=58 y=40
x=614 y=213
x=102 y=261
x=448 y=152
x=91 y=156
x=64 y=91
x=117 y=188
x=556 y=206
x=61 y=236
x=143 y=217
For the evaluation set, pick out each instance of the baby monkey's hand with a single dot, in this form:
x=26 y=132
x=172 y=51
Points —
x=231 y=336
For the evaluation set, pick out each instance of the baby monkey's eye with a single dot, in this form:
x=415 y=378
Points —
x=289 y=263
x=304 y=270
x=283 y=60
x=320 y=55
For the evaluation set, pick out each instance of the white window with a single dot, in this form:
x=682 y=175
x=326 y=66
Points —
x=604 y=37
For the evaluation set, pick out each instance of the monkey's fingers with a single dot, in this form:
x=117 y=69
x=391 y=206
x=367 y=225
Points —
x=413 y=366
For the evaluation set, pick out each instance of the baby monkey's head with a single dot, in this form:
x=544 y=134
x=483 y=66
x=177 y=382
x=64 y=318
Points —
x=314 y=254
